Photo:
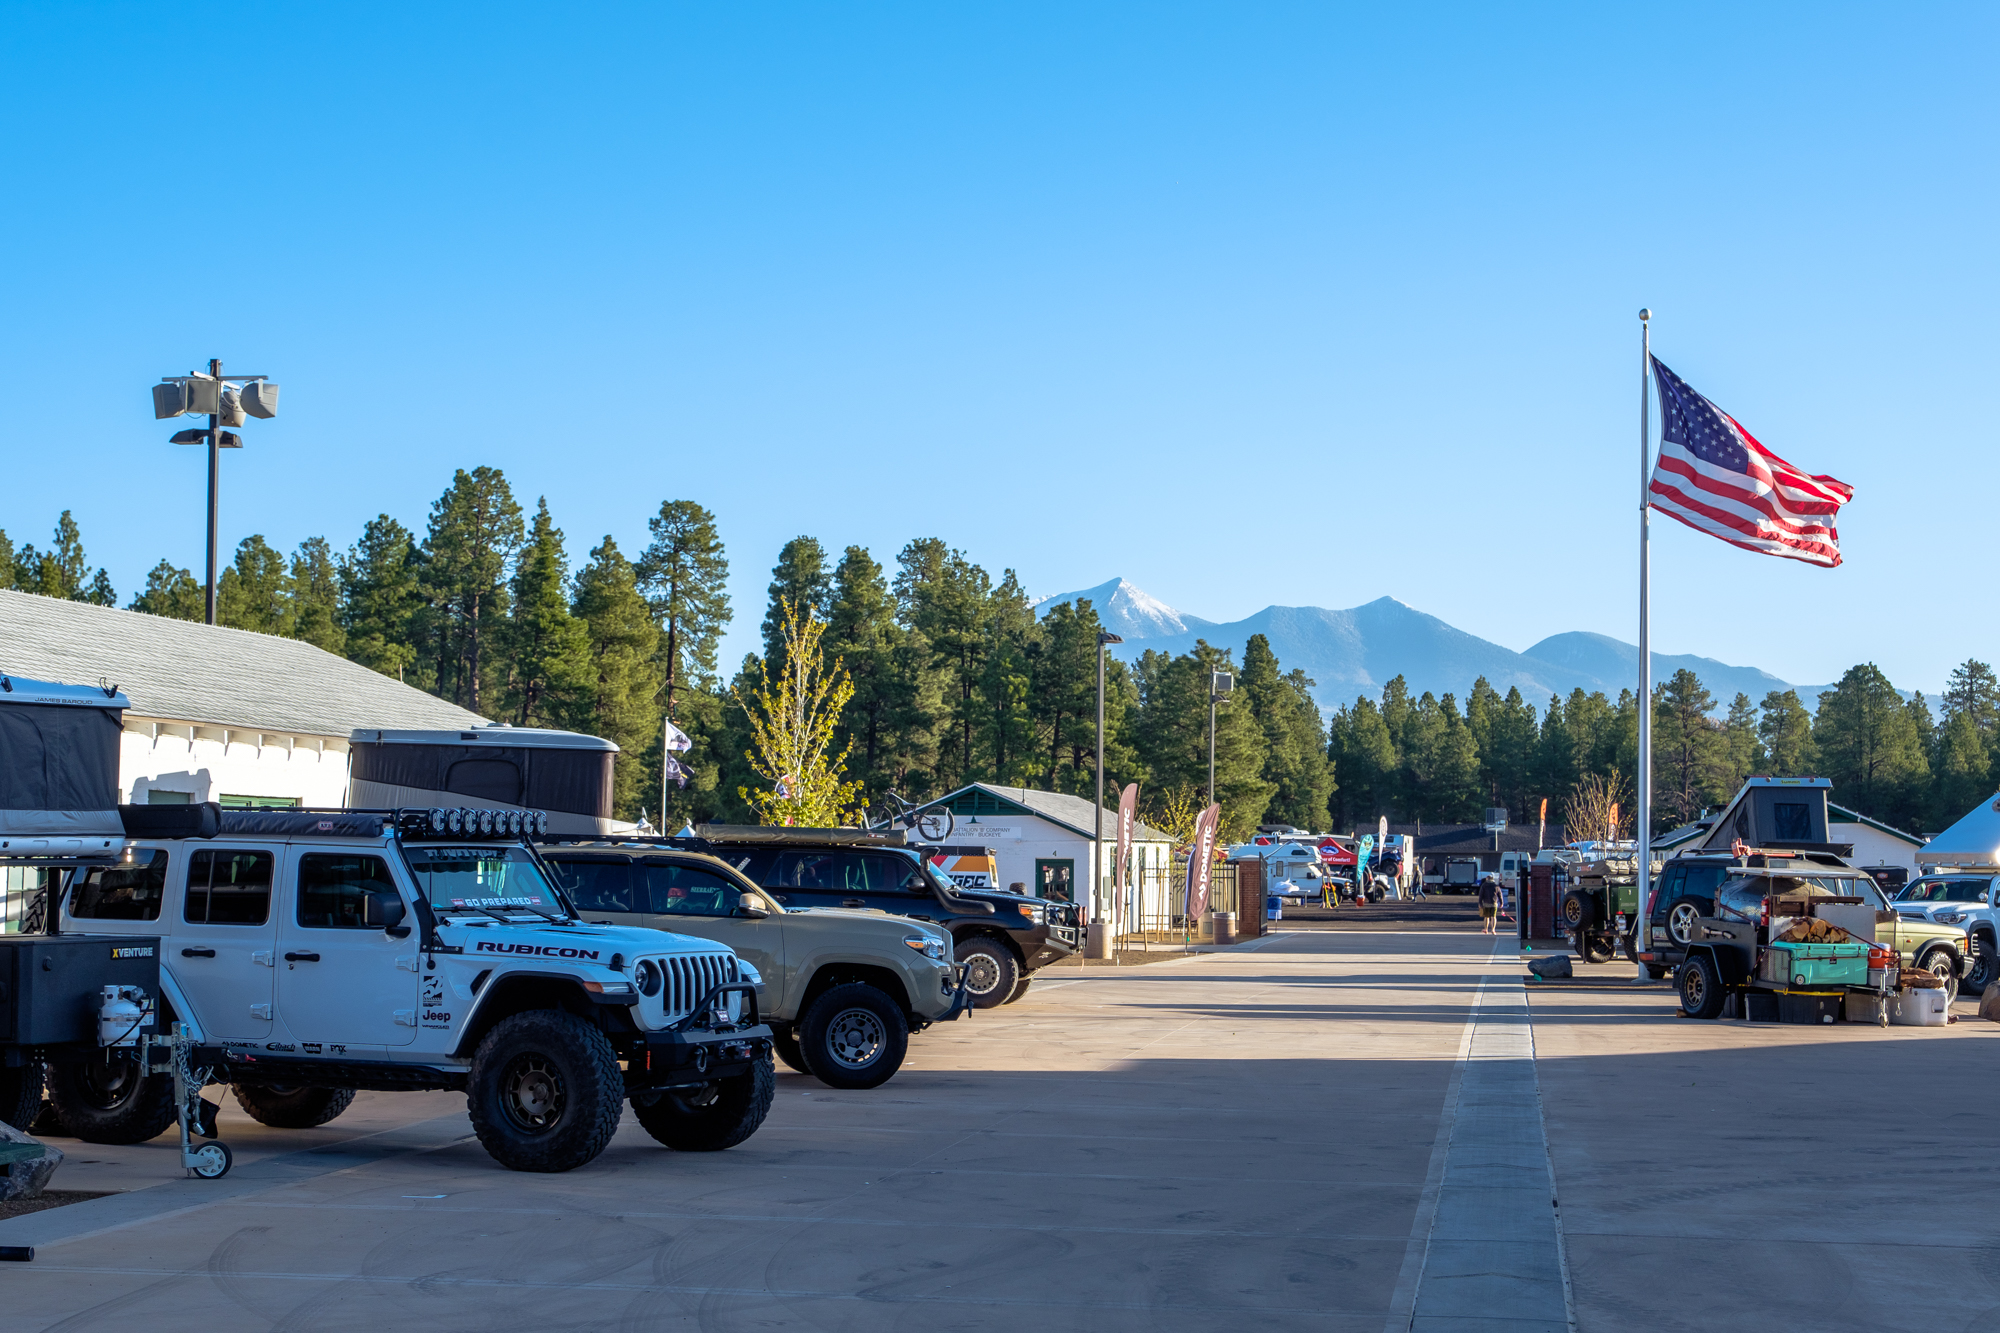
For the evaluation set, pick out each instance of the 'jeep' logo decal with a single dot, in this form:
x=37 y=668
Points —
x=534 y=950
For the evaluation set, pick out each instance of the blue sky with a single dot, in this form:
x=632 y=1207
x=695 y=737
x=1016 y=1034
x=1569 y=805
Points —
x=1298 y=304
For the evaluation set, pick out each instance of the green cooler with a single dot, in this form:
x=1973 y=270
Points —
x=1819 y=964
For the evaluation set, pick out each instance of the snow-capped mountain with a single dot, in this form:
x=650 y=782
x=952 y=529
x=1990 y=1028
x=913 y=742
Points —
x=1358 y=650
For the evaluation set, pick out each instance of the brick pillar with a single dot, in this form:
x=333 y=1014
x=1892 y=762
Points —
x=1250 y=922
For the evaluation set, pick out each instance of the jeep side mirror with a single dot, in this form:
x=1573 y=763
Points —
x=752 y=906
x=382 y=909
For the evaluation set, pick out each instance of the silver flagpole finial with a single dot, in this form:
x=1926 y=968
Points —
x=1645 y=315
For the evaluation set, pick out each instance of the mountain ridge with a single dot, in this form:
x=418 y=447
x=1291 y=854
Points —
x=1359 y=649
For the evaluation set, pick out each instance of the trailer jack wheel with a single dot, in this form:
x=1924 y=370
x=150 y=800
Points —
x=211 y=1161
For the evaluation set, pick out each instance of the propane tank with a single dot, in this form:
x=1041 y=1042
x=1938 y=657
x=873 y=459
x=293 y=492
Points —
x=120 y=1015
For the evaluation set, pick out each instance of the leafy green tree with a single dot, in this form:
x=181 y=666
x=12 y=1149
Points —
x=381 y=579
x=315 y=596
x=551 y=680
x=1295 y=740
x=624 y=650
x=793 y=717
x=685 y=575
x=1784 y=736
x=1690 y=751
x=1870 y=745
x=475 y=529
x=255 y=591
x=172 y=593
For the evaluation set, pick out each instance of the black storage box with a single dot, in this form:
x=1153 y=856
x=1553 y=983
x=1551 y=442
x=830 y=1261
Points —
x=1797 y=1008
x=52 y=985
x=1760 y=1006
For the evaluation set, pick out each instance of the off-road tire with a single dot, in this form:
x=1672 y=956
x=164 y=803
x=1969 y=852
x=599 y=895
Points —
x=20 y=1096
x=990 y=971
x=1020 y=989
x=545 y=1093
x=1700 y=988
x=854 y=1037
x=714 y=1116
x=102 y=1101
x=786 y=1044
x=1682 y=913
x=1594 y=948
x=1945 y=967
x=1656 y=971
x=1579 y=911
x=293 y=1107
x=1985 y=964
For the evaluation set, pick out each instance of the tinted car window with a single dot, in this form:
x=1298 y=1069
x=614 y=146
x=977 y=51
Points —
x=684 y=890
x=1944 y=891
x=878 y=873
x=228 y=888
x=122 y=893
x=333 y=888
x=807 y=870
x=598 y=886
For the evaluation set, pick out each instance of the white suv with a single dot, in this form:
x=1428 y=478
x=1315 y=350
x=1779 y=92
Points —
x=315 y=954
x=1970 y=902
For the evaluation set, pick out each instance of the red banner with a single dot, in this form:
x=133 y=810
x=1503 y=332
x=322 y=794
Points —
x=1201 y=862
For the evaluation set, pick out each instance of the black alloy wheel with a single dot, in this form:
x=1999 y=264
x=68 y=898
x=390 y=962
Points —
x=1577 y=910
x=854 y=1036
x=713 y=1116
x=1700 y=988
x=545 y=1091
x=1985 y=963
x=108 y=1098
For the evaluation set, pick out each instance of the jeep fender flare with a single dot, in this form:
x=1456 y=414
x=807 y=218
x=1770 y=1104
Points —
x=518 y=992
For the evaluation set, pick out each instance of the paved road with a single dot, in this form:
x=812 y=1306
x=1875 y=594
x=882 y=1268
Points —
x=1321 y=1130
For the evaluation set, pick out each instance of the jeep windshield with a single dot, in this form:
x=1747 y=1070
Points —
x=492 y=881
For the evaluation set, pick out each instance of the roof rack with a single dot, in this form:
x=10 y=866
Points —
x=830 y=837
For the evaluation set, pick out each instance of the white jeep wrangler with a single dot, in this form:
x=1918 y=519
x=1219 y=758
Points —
x=313 y=954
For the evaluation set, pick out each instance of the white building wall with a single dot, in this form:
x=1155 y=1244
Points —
x=208 y=763
x=1018 y=841
x=1873 y=847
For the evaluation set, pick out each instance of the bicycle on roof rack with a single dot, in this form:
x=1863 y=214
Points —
x=931 y=823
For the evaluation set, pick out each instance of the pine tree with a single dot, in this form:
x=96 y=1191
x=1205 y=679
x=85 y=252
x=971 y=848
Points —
x=1870 y=746
x=551 y=680
x=1739 y=732
x=1690 y=752
x=1062 y=696
x=1964 y=769
x=1295 y=740
x=862 y=634
x=1974 y=692
x=801 y=578
x=624 y=650
x=255 y=591
x=381 y=597
x=315 y=596
x=1172 y=736
x=1784 y=736
x=1006 y=737
x=1364 y=756
x=172 y=593
x=475 y=529
x=10 y=568
x=62 y=570
x=685 y=575
x=947 y=599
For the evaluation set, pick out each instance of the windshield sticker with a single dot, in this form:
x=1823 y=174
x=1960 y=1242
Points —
x=496 y=902
x=458 y=854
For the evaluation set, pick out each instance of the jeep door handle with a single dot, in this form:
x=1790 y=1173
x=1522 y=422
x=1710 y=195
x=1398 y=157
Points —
x=852 y=902
x=197 y=953
x=302 y=958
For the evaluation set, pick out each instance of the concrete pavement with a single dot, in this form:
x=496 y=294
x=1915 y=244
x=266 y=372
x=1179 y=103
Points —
x=1321 y=1130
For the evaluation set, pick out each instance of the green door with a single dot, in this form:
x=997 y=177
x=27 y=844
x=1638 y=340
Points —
x=1056 y=880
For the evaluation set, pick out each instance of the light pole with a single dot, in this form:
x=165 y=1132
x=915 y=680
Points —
x=224 y=404
x=1220 y=683
x=1097 y=837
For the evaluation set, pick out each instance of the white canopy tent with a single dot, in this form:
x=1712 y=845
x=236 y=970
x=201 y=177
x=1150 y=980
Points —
x=1972 y=843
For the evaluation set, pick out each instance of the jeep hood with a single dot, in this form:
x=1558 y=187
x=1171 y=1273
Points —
x=586 y=944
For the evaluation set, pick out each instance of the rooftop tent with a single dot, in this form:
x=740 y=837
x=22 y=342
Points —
x=1973 y=842
x=512 y=768
x=1787 y=813
x=59 y=757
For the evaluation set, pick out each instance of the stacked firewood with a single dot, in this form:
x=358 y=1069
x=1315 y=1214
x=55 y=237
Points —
x=1919 y=978
x=1812 y=930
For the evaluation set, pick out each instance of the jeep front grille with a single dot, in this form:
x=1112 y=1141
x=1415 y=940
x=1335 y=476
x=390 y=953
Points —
x=689 y=979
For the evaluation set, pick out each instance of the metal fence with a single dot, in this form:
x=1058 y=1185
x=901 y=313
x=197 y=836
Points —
x=1154 y=909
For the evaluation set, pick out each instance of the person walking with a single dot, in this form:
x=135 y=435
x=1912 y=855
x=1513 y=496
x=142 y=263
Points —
x=1489 y=905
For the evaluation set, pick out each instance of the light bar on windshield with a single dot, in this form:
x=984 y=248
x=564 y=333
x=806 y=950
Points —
x=472 y=823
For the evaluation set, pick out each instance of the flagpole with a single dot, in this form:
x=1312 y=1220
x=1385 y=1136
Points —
x=1641 y=926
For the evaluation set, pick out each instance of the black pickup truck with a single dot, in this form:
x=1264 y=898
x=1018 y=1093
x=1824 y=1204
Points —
x=1002 y=938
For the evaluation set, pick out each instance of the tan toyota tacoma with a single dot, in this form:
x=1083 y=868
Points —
x=842 y=989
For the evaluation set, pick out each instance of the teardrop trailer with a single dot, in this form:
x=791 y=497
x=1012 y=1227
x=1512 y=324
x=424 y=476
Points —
x=299 y=956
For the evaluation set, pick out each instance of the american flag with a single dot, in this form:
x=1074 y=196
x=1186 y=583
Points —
x=1713 y=476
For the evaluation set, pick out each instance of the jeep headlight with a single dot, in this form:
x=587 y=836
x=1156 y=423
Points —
x=646 y=975
x=930 y=946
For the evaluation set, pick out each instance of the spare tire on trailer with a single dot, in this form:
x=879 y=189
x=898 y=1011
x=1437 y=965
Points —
x=109 y=1098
